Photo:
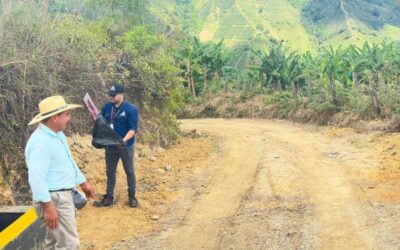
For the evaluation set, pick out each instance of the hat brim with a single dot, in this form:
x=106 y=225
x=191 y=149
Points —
x=114 y=93
x=41 y=117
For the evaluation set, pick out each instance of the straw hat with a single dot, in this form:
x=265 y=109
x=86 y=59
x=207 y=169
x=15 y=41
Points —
x=51 y=106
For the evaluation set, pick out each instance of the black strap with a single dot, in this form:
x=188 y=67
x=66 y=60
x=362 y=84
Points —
x=48 y=113
x=117 y=110
x=60 y=190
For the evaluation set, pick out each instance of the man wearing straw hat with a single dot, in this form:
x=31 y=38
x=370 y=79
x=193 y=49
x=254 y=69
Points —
x=53 y=173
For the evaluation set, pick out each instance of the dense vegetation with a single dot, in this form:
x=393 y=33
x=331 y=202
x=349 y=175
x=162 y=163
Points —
x=362 y=81
x=74 y=47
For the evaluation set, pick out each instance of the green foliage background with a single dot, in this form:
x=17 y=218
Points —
x=73 y=47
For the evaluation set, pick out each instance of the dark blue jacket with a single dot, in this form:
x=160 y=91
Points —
x=124 y=118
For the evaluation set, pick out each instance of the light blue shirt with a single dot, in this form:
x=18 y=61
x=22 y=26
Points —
x=50 y=163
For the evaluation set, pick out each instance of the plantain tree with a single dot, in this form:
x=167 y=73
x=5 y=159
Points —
x=355 y=63
x=374 y=68
x=332 y=67
x=312 y=72
x=189 y=58
x=273 y=64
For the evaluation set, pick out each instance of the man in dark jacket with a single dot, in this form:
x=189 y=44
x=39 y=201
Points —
x=122 y=116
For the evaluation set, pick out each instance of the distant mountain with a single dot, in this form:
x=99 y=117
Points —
x=303 y=24
x=352 y=21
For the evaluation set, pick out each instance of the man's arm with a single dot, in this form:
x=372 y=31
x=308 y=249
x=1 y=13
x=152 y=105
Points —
x=80 y=178
x=88 y=190
x=133 y=117
x=103 y=111
x=38 y=163
x=129 y=135
x=84 y=184
x=50 y=215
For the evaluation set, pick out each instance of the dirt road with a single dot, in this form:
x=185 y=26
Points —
x=277 y=185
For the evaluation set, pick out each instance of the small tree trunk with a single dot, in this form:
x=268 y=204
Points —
x=187 y=77
x=192 y=87
x=374 y=96
x=321 y=80
x=381 y=79
x=375 y=102
x=278 y=85
x=226 y=86
x=239 y=83
x=355 y=79
x=294 y=88
x=333 y=89
x=264 y=80
x=205 y=83
x=309 y=90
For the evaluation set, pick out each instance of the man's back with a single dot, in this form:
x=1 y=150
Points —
x=50 y=163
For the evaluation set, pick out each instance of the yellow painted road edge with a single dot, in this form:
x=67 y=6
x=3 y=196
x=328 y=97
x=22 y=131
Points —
x=17 y=227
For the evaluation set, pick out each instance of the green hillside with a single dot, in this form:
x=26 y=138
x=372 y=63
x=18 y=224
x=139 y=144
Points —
x=302 y=24
x=238 y=21
x=352 y=22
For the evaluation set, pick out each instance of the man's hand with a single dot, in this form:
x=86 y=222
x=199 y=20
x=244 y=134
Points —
x=50 y=215
x=121 y=146
x=129 y=135
x=88 y=190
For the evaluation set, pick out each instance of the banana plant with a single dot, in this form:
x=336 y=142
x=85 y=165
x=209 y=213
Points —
x=273 y=63
x=332 y=67
x=355 y=63
x=312 y=72
x=374 y=72
x=189 y=57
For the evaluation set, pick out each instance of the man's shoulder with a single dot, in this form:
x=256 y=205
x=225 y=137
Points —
x=107 y=105
x=37 y=135
x=37 y=140
x=131 y=106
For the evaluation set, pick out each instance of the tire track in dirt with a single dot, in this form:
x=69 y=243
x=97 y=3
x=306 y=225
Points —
x=242 y=154
x=276 y=185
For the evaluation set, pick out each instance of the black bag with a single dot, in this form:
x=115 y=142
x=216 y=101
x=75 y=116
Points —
x=104 y=135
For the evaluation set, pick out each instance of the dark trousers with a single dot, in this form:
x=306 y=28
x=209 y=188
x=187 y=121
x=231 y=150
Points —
x=127 y=155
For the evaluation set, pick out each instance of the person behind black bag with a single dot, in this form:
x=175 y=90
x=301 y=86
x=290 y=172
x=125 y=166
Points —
x=122 y=116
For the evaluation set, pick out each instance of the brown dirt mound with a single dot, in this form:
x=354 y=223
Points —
x=157 y=188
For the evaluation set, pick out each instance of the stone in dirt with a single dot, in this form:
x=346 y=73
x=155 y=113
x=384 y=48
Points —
x=168 y=168
x=155 y=217
x=161 y=171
